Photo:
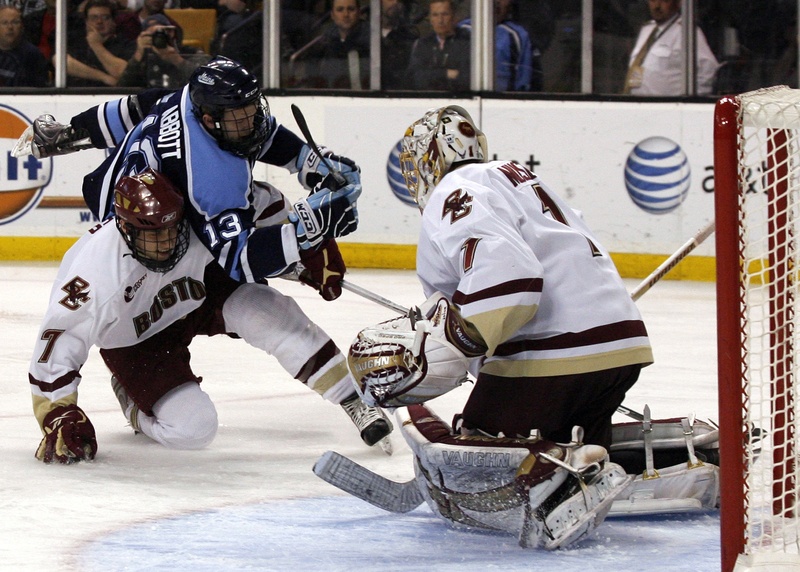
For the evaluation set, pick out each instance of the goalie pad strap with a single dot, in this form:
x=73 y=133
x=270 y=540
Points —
x=647 y=433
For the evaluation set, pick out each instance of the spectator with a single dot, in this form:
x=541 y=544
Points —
x=440 y=60
x=160 y=60
x=131 y=22
x=397 y=39
x=243 y=43
x=655 y=64
x=231 y=14
x=517 y=62
x=40 y=26
x=21 y=64
x=136 y=5
x=101 y=58
x=341 y=57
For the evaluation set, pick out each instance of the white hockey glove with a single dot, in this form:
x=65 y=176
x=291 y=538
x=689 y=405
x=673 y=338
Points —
x=313 y=171
x=410 y=360
x=48 y=138
x=445 y=321
x=325 y=214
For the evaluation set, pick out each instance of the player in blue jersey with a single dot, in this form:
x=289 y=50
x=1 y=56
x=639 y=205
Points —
x=206 y=138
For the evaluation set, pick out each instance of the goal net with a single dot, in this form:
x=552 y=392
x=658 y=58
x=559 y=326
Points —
x=757 y=210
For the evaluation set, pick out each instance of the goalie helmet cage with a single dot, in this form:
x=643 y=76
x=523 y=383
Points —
x=757 y=210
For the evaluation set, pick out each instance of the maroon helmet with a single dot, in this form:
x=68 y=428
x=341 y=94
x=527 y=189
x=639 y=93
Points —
x=149 y=215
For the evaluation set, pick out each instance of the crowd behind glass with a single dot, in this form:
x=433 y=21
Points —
x=540 y=46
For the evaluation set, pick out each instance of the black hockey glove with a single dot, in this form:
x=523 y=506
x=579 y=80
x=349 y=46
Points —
x=313 y=171
x=325 y=214
x=324 y=269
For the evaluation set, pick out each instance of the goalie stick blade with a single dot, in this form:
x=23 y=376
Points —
x=347 y=475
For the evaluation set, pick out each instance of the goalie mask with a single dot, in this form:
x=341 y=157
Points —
x=395 y=364
x=149 y=215
x=432 y=145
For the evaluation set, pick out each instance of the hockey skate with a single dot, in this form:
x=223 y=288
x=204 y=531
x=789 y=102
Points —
x=129 y=409
x=47 y=138
x=370 y=421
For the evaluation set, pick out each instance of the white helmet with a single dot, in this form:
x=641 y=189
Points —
x=432 y=145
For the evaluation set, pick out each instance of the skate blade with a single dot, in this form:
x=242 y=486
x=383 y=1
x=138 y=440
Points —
x=386 y=445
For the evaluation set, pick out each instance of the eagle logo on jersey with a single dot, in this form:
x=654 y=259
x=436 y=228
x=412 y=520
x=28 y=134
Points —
x=77 y=293
x=457 y=205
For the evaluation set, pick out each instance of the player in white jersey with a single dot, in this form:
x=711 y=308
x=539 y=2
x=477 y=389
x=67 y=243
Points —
x=522 y=294
x=206 y=138
x=554 y=336
x=140 y=286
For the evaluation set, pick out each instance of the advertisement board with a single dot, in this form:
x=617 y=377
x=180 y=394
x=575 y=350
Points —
x=640 y=173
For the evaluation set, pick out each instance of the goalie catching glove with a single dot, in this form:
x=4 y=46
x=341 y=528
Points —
x=410 y=360
x=68 y=436
x=314 y=172
x=323 y=269
x=324 y=215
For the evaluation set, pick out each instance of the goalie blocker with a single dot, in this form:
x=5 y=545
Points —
x=548 y=495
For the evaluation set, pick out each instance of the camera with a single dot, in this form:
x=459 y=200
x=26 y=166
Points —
x=160 y=39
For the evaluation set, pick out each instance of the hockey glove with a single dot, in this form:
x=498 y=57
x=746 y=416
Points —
x=313 y=171
x=48 y=138
x=324 y=269
x=68 y=436
x=325 y=214
x=444 y=319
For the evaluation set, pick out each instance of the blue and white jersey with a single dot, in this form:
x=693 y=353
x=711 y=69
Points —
x=218 y=185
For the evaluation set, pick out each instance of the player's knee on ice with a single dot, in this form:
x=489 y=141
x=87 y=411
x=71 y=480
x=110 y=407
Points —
x=185 y=418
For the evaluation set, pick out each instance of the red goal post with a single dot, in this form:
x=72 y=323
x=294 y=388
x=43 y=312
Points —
x=757 y=211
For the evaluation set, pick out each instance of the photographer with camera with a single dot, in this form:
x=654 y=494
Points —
x=160 y=59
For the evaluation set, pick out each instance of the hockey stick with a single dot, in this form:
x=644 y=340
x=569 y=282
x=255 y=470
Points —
x=350 y=477
x=363 y=292
x=673 y=261
x=301 y=123
x=294 y=276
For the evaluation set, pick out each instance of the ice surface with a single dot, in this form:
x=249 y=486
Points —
x=250 y=500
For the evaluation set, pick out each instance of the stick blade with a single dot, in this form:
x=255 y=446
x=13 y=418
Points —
x=347 y=475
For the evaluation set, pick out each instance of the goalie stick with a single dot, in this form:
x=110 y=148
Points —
x=350 y=477
x=671 y=262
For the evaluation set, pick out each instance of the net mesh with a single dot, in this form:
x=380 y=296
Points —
x=769 y=229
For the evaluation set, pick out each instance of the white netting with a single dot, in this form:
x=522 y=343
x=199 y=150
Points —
x=769 y=173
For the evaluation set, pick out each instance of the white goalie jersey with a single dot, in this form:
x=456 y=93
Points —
x=523 y=267
x=103 y=297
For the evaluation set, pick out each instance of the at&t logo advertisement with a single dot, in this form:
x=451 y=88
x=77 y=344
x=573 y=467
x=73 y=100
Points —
x=657 y=175
x=23 y=179
x=395 y=176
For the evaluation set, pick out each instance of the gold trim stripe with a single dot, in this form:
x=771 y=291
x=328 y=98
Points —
x=388 y=256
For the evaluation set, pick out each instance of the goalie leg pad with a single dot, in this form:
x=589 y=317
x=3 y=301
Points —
x=588 y=501
x=546 y=494
x=674 y=464
x=679 y=488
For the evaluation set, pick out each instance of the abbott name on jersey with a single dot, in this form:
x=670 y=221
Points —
x=22 y=179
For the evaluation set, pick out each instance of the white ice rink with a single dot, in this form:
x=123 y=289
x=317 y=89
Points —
x=250 y=501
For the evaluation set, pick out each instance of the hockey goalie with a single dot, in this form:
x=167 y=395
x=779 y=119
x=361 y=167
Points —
x=547 y=494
